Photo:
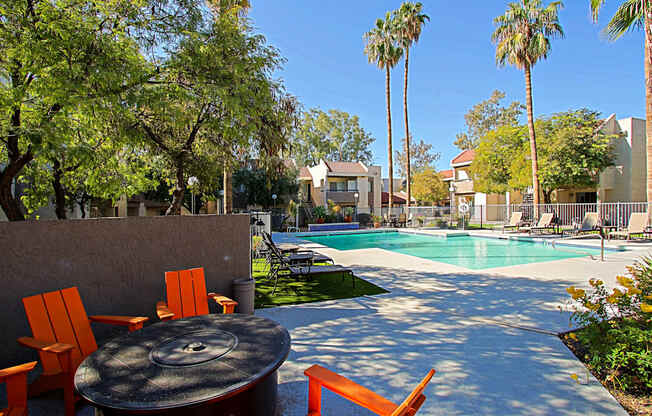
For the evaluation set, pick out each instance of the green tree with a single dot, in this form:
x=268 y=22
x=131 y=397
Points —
x=409 y=20
x=635 y=14
x=382 y=50
x=486 y=116
x=428 y=186
x=86 y=162
x=207 y=101
x=498 y=153
x=55 y=55
x=333 y=135
x=522 y=38
x=259 y=184
x=573 y=153
x=423 y=157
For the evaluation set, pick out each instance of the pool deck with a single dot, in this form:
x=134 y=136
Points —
x=490 y=334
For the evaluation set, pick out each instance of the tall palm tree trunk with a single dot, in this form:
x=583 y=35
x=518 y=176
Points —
x=533 y=140
x=390 y=165
x=407 y=130
x=648 y=101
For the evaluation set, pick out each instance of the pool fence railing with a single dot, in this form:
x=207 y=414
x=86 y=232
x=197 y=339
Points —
x=615 y=214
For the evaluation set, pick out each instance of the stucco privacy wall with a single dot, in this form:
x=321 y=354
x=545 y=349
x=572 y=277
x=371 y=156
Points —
x=117 y=263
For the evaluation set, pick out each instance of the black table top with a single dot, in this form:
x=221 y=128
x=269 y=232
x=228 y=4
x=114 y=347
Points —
x=183 y=362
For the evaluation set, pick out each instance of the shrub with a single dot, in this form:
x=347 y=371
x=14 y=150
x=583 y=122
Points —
x=364 y=219
x=441 y=223
x=617 y=333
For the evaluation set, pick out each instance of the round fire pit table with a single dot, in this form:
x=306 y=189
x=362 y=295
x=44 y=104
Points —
x=210 y=364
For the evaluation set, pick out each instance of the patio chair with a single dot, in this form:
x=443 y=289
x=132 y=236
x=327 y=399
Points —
x=637 y=225
x=590 y=223
x=280 y=264
x=514 y=221
x=63 y=337
x=16 y=380
x=296 y=255
x=186 y=296
x=545 y=223
x=319 y=377
x=402 y=220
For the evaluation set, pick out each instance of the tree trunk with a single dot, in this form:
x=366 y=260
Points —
x=546 y=196
x=407 y=130
x=59 y=192
x=533 y=141
x=178 y=193
x=15 y=164
x=648 y=101
x=390 y=166
x=228 y=191
x=8 y=202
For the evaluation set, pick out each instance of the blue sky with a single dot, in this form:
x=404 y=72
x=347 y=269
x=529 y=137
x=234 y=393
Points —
x=451 y=69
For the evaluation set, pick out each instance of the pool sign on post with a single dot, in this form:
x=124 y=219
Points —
x=464 y=208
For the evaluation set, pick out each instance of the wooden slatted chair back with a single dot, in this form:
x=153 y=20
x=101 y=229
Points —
x=186 y=292
x=60 y=316
x=414 y=401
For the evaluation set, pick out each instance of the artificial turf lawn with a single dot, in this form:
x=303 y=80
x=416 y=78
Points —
x=318 y=288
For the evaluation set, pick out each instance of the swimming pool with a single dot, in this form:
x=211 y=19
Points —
x=462 y=250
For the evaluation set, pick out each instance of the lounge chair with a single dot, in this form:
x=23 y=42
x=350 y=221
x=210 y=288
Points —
x=319 y=377
x=514 y=221
x=187 y=296
x=281 y=263
x=544 y=224
x=637 y=225
x=15 y=379
x=402 y=220
x=63 y=337
x=590 y=223
x=295 y=255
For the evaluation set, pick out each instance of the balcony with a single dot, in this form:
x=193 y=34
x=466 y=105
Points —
x=464 y=187
x=342 y=197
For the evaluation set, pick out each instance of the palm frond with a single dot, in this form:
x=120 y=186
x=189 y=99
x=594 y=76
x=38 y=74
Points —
x=629 y=16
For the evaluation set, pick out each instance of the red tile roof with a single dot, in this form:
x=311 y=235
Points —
x=464 y=157
x=446 y=174
x=345 y=167
x=396 y=200
x=304 y=173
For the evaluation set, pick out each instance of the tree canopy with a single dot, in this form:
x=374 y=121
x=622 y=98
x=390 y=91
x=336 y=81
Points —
x=486 y=116
x=421 y=156
x=428 y=186
x=573 y=153
x=333 y=135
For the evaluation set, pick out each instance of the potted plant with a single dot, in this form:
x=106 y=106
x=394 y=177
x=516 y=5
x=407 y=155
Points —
x=211 y=204
x=421 y=219
x=320 y=213
x=348 y=214
x=377 y=221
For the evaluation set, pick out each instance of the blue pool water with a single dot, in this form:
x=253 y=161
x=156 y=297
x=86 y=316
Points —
x=465 y=251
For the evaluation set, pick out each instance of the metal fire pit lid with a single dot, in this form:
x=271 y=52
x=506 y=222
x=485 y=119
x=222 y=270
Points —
x=194 y=348
x=186 y=362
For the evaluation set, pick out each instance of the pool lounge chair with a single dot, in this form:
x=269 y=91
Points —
x=637 y=226
x=281 y=264
x=590 y=223
x=296 y=255
x=545 y=224
x=514 y=221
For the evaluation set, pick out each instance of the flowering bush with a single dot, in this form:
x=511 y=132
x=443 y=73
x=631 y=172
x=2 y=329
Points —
x=617 y=333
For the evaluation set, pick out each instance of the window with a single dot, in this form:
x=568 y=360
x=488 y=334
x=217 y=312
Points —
x=586 y=197
x=337 y=186
x=462 y=175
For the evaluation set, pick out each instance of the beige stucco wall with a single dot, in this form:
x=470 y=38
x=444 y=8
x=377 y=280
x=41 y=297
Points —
x=118 y=264
x=637 y=137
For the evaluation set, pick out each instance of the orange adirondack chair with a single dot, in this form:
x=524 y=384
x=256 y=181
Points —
x=319 y=376
x=186 y=293
x=63 y=337
x=16 y=380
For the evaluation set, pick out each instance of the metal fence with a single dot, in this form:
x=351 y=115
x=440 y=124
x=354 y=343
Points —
x=611 y=213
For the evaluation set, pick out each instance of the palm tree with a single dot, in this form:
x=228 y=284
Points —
x=408 y=23
x=382 y=50
x=522 y=38
x=635 y=14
